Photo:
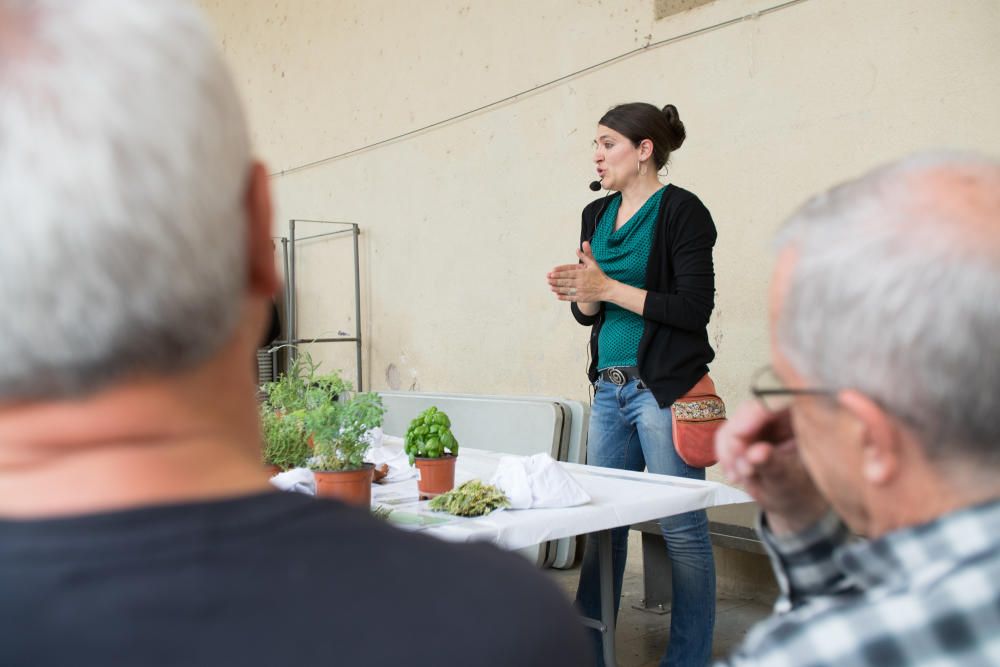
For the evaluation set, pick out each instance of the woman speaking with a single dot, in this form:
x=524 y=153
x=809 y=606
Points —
x=646 y=285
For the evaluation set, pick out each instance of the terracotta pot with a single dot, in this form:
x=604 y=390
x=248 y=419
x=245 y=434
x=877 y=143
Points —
x=350 y=486
x=436 y=476
x=271 y=470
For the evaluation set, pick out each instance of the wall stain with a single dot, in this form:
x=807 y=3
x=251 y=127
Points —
x=392 y=377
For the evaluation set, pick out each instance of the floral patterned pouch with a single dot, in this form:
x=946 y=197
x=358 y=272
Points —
x=698 y=414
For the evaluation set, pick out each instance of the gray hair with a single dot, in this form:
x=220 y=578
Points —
x=895 y=292
x=124 y=163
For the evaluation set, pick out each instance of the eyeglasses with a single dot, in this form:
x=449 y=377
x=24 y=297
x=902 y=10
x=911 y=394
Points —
x=768 y=388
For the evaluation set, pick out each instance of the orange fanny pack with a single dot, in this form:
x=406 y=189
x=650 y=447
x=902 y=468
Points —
x=698 y=414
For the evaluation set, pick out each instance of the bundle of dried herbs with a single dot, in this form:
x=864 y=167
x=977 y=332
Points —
x=473 y=498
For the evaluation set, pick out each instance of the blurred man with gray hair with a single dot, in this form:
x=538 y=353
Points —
x=879 y=416
x=137 y=526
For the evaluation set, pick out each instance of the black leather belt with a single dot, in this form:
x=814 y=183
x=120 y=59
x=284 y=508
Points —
x=619 y=375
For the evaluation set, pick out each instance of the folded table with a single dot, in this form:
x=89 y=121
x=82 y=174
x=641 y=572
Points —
x=618 y=498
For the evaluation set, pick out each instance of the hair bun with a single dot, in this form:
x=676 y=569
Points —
x=677 y=133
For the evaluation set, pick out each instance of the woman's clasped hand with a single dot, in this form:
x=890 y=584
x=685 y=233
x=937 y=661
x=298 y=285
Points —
x=584 y=281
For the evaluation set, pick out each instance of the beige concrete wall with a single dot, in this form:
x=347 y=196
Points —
x=461 y=223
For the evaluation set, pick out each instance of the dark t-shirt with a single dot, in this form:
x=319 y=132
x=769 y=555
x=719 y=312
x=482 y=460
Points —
x=270 y=579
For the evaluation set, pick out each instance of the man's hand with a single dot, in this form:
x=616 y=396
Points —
x=757 y=450
x=584 y=282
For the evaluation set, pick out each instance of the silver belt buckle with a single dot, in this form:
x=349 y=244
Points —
x=616 y=376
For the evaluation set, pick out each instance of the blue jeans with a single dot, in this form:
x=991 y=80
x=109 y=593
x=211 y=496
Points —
x=630 y=431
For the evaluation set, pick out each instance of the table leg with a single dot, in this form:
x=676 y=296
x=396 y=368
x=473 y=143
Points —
x=607 y=596
x=606 y=625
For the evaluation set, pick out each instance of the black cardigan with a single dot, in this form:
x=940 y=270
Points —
x=674 y=351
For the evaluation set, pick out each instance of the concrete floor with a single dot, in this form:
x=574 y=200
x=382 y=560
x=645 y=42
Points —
x=642 y=636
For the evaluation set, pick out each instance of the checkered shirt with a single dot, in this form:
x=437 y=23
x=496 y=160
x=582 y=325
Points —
x=927 y=595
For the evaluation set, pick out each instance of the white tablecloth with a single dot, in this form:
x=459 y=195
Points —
x=619 y=498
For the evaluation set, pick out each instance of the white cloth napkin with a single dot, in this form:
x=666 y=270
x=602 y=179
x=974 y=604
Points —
x=388 y=449
x=298 y=480
x=374 y=436
x=537 y=481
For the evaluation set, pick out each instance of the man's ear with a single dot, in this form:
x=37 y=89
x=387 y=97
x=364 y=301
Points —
x=262 y=276
x=881 y=441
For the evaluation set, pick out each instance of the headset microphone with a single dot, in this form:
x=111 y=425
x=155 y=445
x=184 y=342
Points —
x=595 y=185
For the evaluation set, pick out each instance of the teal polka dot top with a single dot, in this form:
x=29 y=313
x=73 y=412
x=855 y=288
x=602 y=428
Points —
x=622 y=254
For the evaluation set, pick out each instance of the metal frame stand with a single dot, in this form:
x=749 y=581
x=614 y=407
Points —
x=292 y=338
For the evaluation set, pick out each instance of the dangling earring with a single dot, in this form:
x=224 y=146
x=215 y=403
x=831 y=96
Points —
x=638 y=167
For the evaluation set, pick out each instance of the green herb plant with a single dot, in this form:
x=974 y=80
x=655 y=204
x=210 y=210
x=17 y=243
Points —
x=287 y=402
x=473 y=498
x=429 y=436
x=339 y=428
x=302 y=388
x=286 y=443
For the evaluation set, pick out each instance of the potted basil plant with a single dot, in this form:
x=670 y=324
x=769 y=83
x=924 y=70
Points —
x=432 y=448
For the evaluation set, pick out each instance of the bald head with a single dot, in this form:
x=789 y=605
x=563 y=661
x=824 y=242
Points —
x=955 y=200
x=15 y=26
x=895 y=292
